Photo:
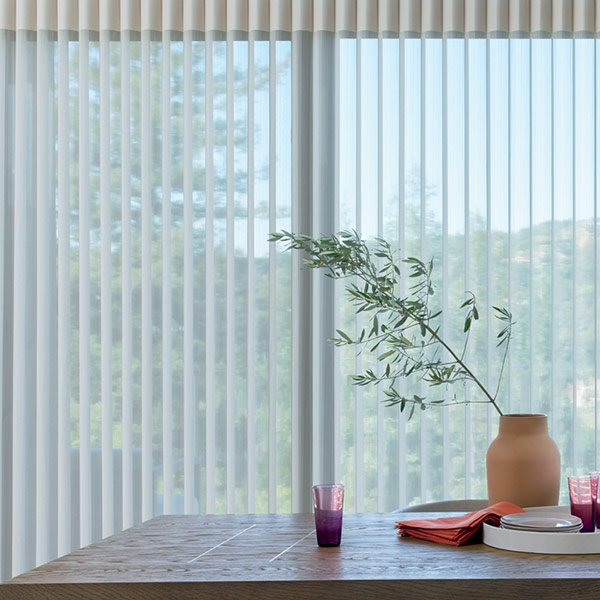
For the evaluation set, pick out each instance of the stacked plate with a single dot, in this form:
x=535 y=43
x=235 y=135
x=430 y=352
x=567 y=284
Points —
x=542 y=522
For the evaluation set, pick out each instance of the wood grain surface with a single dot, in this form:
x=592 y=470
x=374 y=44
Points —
x=276 y=556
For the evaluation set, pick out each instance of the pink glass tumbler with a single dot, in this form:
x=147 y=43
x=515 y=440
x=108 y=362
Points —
x=582 y=502
x=595 y=478
x=328 y=501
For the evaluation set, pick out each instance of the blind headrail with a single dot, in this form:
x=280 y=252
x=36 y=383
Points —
x=428 y=18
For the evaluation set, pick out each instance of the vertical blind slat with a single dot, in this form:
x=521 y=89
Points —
x=575 y=395
x=299 y=283
x=301 y=290
x=43 y=305
x=189 y=412
x=147 y=219
x=509 y=234
x=4 y=483
x=488 y=241
x=424 y=454
x=108 y=515
x=445 y=250
x=230 y=282
x=64 y=307
x=402 y=495
x=22 y=460
x=531 y=407
x=210 y=282
x=554 y=419
x=53 y=331
x=552 y=256
x=167 y=289
x=85 y=458
x=316 y=227
x=595 y=257
x=467 y=269
x=317 y=355
x=272 y=443
x=126 y=300
x=337 y=441
x=380 y=407
x=323 y=222
x=596 y=415
x=359 y=466
x=250 y=314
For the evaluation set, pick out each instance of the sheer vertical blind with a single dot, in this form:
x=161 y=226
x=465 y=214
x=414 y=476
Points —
x=159 y=356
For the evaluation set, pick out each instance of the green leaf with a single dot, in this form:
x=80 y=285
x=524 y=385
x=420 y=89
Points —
x=412 y=412
x=402 y=321
x=344 y=335
x=467 y=324
x=375 y=329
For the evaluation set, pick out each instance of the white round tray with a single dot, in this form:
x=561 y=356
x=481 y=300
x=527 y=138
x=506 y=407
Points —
x=542 y=543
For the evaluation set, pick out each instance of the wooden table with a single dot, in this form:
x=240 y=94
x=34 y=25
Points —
x=276 y=557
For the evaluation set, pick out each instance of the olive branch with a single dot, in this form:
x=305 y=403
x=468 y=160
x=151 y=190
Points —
x=404 y=331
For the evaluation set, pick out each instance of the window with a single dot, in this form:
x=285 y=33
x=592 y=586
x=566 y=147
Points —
x=159 y=355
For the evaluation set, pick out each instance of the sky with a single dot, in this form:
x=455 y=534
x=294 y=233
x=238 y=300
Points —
x=522 y=93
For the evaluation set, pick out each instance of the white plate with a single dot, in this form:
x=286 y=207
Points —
x=542 y=543
x=541 y=521
x=544 y=530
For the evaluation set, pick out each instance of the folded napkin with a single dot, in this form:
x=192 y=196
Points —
x=456 y=530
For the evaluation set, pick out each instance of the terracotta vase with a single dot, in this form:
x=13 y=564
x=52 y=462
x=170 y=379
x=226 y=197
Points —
x=523 y=463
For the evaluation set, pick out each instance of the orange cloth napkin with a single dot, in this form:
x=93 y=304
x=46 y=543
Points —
x=456 y=530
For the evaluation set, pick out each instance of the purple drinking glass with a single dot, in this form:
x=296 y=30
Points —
x=328 y=501
x=582 y=505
